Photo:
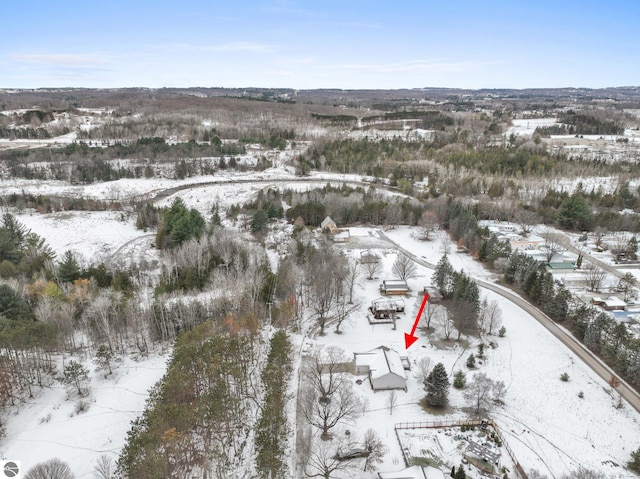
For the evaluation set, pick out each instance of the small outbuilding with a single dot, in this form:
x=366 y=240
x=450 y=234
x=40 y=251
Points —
x=394 y=286
x=609 y=304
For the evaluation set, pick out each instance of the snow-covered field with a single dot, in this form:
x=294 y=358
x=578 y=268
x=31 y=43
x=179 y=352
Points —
x=527 y=127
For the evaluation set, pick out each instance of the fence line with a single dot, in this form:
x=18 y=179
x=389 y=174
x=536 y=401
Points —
x=470 y=422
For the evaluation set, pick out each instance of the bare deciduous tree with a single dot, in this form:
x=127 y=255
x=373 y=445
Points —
x=325 y=277
x=445 y=322
x=104 y=468
x=404 y=267
x=627 y=286
x=51 y=469
x=423 y=366
x=351 y=278
x=371 y=265
x=490 y=317
x=343 y=310
x=428 y=223
x=527 y=220
x=393 y=214
x=322 y=372
x=595 y=277
x=431 y=312
x=326 y=414
x=482 y=392
x=552 y=244
x=375 y=448
x=323 y=461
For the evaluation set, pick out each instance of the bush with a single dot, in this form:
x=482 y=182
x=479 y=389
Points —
x=471 y=361
x=502 y=331
x=634 y=463
x=459 y=380
x=81 y=406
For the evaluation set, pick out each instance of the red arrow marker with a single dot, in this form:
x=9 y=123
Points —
x=409 y=339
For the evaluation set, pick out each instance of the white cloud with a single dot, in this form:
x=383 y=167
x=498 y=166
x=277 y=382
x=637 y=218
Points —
x=60 y=59
x=223 y=47
x=415 y=66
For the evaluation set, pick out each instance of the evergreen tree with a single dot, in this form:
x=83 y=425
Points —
x=179 y=225
x=13 y=306
x=75 y=374
x=443 y=277
x=574 y=213
x=634 y=463
x=69 y=269
x=258 y=221
x=558 y=307
x=437 y=386
x=459 y=380
x=460 y=474
x=104 y=356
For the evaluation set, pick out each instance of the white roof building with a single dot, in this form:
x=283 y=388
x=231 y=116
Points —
x=384 y=367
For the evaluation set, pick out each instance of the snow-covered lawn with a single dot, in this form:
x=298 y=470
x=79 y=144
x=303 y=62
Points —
x=548 y=426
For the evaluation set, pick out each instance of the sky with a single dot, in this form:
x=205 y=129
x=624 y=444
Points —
x=346 y=44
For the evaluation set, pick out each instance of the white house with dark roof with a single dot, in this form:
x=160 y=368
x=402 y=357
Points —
x=385 y=368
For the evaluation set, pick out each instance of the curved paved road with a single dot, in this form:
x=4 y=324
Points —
x=604 y=371
x=591 y=360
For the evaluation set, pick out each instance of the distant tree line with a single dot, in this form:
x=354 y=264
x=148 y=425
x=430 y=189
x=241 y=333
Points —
x=24 y=133
x=430 y=120
x=50 y=203
x=81 y=163
x=347 y=205
x=577 y=123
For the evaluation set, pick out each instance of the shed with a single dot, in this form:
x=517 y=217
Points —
x=610 y=304
x=384 y=367
x=394 y=286
x=561 y=266
x=384 y=308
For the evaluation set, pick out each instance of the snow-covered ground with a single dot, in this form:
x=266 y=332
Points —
x=547 y=425
x=527 y=127
x=47 y=426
